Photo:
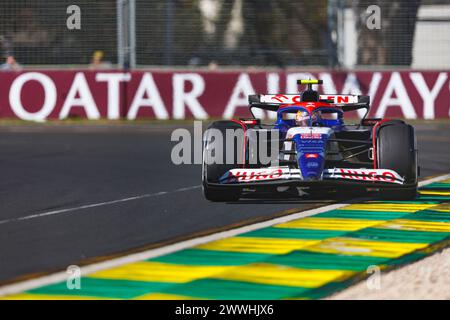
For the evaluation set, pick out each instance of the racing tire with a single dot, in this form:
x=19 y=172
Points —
x=211 y=172
x=396 y=150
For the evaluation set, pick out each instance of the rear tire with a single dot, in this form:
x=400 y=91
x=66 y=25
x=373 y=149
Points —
x=396 y=150
x=212 y=172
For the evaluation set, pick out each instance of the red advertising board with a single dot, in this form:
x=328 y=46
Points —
x=40 y=95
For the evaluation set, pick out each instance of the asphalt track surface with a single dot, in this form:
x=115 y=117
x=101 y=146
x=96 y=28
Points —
x=76 y=194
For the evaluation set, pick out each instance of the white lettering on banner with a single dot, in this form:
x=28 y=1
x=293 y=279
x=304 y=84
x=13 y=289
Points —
x=239 y=97
x=113 y=80
x=328 y=83
x=428 y=96
x=291 y=81
x=80 y=87
x=49 y=96
x=153 y=100
x=402 y=100
x=187 y=90
x=374 y=84
x=352 y=86
x=189 y=99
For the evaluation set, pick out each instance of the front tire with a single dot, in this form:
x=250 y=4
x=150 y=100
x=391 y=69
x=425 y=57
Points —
x=212 y=172
x=396 y=150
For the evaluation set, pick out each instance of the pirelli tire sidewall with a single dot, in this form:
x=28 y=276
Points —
x=397 y=150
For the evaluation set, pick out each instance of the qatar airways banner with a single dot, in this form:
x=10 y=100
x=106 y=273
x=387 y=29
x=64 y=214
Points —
x=41 y=95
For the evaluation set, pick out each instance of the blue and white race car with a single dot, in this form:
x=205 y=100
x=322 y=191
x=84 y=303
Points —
x=309 y=149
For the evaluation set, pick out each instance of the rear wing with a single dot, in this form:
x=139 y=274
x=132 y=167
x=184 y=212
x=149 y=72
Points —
x=272 y=102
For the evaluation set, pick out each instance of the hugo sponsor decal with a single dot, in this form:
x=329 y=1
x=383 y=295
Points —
x=250 y=175
x=378 y=175
x=387 y=175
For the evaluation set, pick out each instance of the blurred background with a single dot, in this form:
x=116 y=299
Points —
x=222 y=33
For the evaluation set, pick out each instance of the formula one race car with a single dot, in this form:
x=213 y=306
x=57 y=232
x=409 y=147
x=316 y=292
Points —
x=312 y=150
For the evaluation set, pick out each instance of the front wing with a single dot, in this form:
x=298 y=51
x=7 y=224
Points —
x=291 y=176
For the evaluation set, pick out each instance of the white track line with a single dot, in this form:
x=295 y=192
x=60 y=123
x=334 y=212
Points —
x=94 y=205
x=152 y=253
x=435 y=179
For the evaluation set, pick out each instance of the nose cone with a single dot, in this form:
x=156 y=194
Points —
x=310 y=144
x=311 y=167
x=310 y=156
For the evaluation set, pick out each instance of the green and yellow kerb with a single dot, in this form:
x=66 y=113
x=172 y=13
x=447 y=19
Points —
x=308 y=258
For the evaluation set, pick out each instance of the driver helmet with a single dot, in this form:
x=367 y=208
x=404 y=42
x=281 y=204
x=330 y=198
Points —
x=302 y=118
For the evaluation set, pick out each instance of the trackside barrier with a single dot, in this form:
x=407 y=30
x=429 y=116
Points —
x=43 y=94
